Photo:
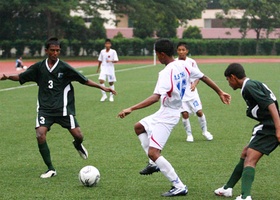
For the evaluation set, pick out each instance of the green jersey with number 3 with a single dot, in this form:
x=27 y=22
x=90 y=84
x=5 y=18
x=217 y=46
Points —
x=56 y=93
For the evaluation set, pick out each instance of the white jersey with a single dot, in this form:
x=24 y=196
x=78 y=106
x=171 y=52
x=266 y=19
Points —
x=173 y=81
x=190 y=95
x=108 y=67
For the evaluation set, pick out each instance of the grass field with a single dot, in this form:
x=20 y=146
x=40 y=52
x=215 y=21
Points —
x=115 y=150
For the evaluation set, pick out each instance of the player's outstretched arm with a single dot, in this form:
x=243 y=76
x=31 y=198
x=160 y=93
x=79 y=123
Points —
x=223 y=96
x=275 y=117
x=98 y=67
x=147 y=102
x=96 y=85
x=12 y=77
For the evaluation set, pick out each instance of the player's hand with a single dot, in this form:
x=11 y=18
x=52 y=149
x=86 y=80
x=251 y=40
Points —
x=4 y=77
x=225 y=97
x=193 y=86
x=124 y=113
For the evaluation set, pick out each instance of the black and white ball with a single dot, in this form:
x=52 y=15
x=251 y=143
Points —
x=89 y=176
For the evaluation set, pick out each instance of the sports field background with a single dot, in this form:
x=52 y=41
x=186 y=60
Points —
x=115 y=150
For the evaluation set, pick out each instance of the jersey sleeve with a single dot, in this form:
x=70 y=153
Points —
x=116 y=58
x=31 y=74
x=262 y=95
x=100 y=56
x=195 y=73
x=164 y=83
x=74 y=75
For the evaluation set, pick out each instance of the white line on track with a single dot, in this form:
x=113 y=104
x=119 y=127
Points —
x=91 y=75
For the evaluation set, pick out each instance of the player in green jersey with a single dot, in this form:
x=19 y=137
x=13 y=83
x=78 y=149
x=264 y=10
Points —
x=263 y=107
x=56 y=102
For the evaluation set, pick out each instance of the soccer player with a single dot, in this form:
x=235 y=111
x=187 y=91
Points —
x=191 y=102
x=263 y=107
x=107 y=58
x=153 y=131
x=55 y=99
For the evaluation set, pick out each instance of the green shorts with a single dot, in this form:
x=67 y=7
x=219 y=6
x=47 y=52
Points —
x=264 y=139
x=68 y=122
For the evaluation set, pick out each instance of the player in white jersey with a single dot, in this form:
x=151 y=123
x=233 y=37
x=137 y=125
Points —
x=191 y=103
x=153 y=131
x=107 y=58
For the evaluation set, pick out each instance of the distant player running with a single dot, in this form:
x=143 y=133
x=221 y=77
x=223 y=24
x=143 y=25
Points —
x=55 y=99
x=263 y=107
x=107 y=58
x=153 y=131
x=191 y=102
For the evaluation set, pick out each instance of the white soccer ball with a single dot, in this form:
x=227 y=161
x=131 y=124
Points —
x=89 y=176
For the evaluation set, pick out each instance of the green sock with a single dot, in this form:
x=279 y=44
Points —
x=45 y=153
x=236 y=174
x=247 y=179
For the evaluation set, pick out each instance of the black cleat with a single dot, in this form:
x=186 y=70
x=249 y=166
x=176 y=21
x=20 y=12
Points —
x=175 y=192
x=81 y=150
x=149 y=169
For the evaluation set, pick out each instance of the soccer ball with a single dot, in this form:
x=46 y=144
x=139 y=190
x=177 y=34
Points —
x=89 y=176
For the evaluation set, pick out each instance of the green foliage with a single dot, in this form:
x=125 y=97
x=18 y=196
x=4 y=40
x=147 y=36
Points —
x=213 y=47
x=19 y=46
x=277 y=46
x=118 y=36
x=76 y=47
x=266 y=46
x=97 y=29
x=192 y=32
x=149 y=45
x=233 y=47
x=35 y=46
x=64 y=43
x=248 y=47
x=6 y=46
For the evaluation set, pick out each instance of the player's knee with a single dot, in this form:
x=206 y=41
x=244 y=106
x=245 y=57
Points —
x=41 y=136
x=138 y=128
x=199 y=113
x=185 y=115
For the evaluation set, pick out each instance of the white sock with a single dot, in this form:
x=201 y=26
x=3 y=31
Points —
x=169 y=172
x=112 y=87
x=187 y=126
x=103 y=92
x=145 y=142
x=203 y=123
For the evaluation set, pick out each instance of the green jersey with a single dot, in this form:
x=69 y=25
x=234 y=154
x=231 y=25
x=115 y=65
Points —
x=258 y=97
x=56 y=93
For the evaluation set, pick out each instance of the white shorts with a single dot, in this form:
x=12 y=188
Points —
x=159 y=126
x=192 y=106
x=110 y=77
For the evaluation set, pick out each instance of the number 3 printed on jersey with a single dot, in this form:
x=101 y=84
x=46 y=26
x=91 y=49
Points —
x=50 y=84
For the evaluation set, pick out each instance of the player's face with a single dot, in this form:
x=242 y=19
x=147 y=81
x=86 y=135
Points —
x=232 y=82
x=161 y=57
x=182 y=52
x=53 y=52
x=108 y=45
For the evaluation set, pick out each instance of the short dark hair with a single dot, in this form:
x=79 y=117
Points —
x=165 y=46
x=183 y=44
x=52 y=41
x=108 y=40
x=235 y=69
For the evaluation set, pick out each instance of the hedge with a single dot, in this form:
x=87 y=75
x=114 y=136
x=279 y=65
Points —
x=137 y=46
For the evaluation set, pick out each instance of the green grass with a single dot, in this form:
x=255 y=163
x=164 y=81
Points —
x=115 y=150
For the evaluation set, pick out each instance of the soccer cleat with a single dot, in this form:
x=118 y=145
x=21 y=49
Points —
x=103 y=98
x=224 y=192
x=176 y=192
x=111 y=99
x=149 y=169
x=240 y=198
x=208 y=135
x=81 y=150
x=189 y=138
x=48 y=174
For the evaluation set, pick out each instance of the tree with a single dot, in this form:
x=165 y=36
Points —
x=258 y=14
x=97 y=29
x=157 y=16
x=192 y=32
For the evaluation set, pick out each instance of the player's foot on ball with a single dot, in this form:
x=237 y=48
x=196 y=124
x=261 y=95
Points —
x=149 y=169
x=224 y=192
x=81 y=150
x=103 y=98
x=48 y=174
x=176 y=192
x=240 y=198
x=111 y=99
x=208 y=135
x=189 y=138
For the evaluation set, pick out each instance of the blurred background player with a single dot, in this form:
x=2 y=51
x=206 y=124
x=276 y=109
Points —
x=107 y=58
x=262 y=106
x=154 y=130
x=191 y=103
x=55 y=102
x=19 y=64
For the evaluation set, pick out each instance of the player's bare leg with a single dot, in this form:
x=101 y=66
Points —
x=112 y=86
x=78 y=139
x=203 y=124
x=44 y=150
x=178 y=188
x=104 y=96
x=143 y=137
x=187 y=126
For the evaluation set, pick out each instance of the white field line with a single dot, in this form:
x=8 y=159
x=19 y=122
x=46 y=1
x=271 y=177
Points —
x=91 y=75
